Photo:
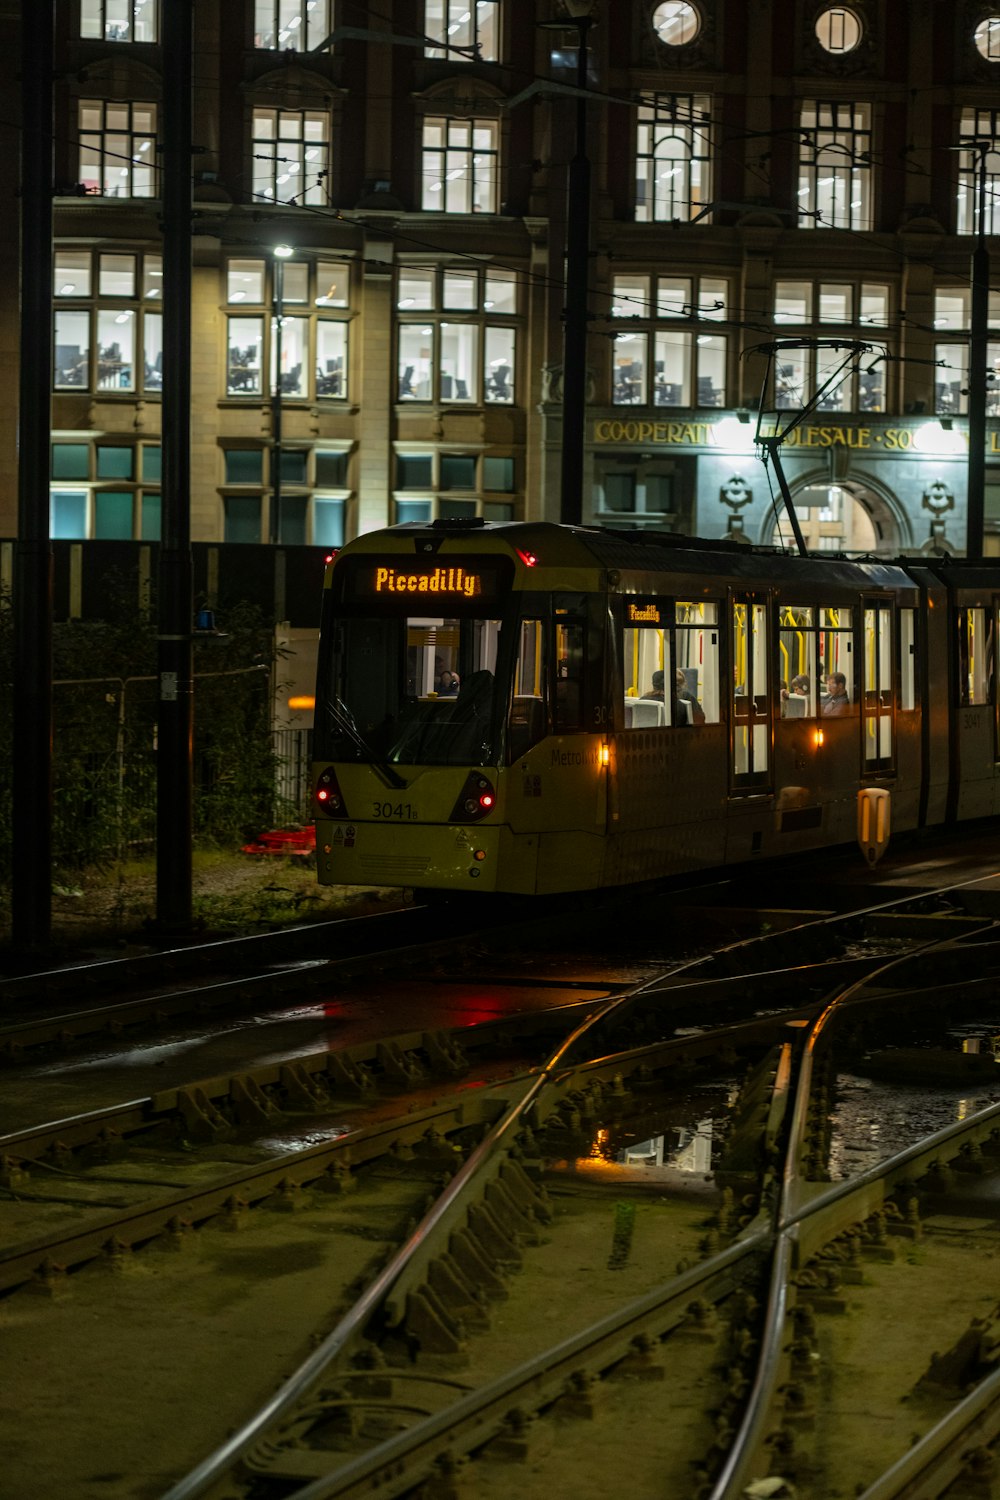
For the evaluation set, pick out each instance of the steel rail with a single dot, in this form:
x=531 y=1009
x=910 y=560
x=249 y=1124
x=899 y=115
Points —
x=790 y=1214
x=412 y=1258
x=418 y=1249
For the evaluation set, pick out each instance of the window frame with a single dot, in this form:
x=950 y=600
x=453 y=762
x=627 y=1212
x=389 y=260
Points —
x=440 y=163
x=144 y=378
x=638 y=299
x=484 y=36
x=695 y=135
x=822 y=128
x=316 y=312
x=138 y=141
x=316 y=29
x=489 y=376
x=141 y=485
x=271 y=148
x=107 y=29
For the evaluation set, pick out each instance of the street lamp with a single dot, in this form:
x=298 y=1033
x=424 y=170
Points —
x=281 y=253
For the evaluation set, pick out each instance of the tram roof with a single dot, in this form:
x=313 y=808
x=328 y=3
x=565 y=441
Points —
x=647 y=551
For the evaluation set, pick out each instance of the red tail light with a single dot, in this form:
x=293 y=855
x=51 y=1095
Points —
x=476 y=800
x=328 y=801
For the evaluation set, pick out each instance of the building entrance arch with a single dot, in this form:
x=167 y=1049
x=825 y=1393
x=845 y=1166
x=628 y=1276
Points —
x=843 y=516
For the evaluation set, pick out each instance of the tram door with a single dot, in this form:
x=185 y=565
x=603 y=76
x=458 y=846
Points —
x=877 y=695
x=750 y=765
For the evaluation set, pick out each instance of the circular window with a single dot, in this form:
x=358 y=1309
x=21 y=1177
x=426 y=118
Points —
x=838 y=30
x=676 y=23
x=987 y=35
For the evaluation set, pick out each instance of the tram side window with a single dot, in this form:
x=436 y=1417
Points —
x=696 y=654
x=570 y=637
x=975 y=650
x=907 y=658
x=646 y=670
x=527 y=722
x=797 y=661
x=835 y=657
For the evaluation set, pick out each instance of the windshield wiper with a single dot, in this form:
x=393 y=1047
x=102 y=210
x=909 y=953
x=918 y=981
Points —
x=344 y=720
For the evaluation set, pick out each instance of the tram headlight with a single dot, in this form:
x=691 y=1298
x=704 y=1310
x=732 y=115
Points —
x=477 y=798
x=328 y=801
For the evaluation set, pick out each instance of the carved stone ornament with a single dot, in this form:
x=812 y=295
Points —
x=814 y=58
x=552 y=384
x=698 y=53
x=938 y=498
x=970 y=64
x=736 y=493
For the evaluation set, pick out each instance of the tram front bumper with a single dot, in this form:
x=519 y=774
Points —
x=439 y=856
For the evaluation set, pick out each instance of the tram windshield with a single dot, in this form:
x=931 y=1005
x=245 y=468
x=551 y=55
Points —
x=412 y=690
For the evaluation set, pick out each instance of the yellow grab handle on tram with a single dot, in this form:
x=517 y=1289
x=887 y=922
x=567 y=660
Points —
x=873 y=822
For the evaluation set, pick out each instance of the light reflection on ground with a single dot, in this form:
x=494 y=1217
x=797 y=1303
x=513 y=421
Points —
x=874 y=1119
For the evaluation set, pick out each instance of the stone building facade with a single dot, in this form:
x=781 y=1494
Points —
x=764 y=172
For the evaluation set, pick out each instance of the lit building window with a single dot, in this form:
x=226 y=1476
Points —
x=676 y=23
x=112 y=341
x=838 y=30
x=314 y=498
x=105 y=490
x=835 y=166
x=673 y=152
x=460 y=164
x=469 y=353
x=433 y=484
x=462 y=30
x=119 y=20
x=291 y=154
x=314 y=328
x=983 y=127
x=118 y=149
x=822 y=309
x=987 y=38
x=291 y=25
x=952 y=315
x=672 y=359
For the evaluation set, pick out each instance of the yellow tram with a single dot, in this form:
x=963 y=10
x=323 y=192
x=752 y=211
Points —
x=532 y=708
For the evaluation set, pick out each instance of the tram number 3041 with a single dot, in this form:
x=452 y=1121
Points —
x=405 y=811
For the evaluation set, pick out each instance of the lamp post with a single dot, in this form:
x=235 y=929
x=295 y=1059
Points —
x=976 y=482
x=574 y=375
x=281 y=254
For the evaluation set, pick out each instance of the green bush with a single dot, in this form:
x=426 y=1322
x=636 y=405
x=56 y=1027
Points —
x=104 y=706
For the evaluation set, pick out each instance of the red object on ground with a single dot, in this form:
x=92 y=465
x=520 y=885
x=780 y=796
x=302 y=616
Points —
x=288 y=841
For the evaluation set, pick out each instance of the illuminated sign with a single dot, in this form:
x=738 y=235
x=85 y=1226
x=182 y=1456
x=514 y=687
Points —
x=458 y=582
x=437 y=581
x=726 y=433
x=642 y=612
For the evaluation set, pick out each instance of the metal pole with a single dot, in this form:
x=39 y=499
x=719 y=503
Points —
x=274 y=520
x=31 y=832
x=977 y=376
x=174 y=759
x=575 y=307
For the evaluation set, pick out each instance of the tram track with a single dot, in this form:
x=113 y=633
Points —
x=553 y=1101
x=407 y=1287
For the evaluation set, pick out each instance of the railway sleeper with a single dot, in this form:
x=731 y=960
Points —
x=300 y=1088
x=349 y=1075
x=974 y=1355
x=398 y=1067
x=431 y=1325
x=459 y=1293
x=251 y=1105
x=444 y=1054
x=202 y=1121
x=475 y=1261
